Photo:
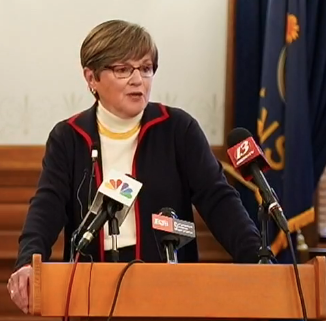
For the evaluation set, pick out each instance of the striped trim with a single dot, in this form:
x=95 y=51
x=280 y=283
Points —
x=230 y=169
x=118 y=136
x=295 y=223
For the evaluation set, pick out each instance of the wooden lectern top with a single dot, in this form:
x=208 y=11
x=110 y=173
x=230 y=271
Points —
x=180 y=290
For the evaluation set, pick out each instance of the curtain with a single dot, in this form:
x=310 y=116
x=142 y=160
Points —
x=280 y=64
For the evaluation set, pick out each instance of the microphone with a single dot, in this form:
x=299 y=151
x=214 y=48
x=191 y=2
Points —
x=112 y=203
x=172 y=232
x=108 y=210
x=248 y=158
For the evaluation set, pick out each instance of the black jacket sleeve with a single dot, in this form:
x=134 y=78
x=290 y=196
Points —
x=217 y=202
x=47 y=212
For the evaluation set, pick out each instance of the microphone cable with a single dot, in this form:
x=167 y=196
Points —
x=71 y=281
x=117 y=290
x=296 y=270
x=94 y=156
x=297 y=277
x=83 y=219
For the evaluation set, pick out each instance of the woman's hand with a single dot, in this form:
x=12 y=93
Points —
x=18 y=285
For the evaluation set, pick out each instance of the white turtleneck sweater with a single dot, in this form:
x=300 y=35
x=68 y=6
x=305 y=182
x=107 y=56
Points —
x=118 y=144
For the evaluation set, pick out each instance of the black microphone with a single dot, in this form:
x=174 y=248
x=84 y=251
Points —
x=248 y=158
x=113 y=200
x=107 y=212
x=172 y=232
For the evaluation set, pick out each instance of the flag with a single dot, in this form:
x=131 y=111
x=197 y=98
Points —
x=283 y=125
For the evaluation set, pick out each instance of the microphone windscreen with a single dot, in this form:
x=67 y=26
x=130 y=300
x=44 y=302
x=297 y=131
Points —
x=168 y=211
x=237 y=135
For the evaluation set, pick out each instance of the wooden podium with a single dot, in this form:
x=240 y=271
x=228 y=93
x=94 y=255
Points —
x=165 y=291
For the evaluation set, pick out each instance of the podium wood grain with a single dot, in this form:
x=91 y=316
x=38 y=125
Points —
x=233 y=291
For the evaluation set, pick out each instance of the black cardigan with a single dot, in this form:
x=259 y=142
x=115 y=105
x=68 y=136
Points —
x=174 y=162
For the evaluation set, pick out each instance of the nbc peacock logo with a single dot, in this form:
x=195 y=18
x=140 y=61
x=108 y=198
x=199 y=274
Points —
x=123 y=187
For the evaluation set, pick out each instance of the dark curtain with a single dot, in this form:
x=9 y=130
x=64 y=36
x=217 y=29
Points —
x=316 y=66
x=307 y=60
x=249 y=43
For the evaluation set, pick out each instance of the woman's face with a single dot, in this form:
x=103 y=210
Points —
x=124 y=91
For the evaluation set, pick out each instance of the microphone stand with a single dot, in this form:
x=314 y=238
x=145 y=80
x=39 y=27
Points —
x=171 y=254
x=107 y=213
x=264 y=253
x=169 y=243
x=112 y=208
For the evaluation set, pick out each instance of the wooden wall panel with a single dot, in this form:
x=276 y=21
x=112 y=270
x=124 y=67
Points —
x=9 y=194
x=9 y=245
x=14 y=199
x=19 y=171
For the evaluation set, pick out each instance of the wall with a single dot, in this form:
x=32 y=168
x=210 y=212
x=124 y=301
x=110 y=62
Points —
x=39 y=60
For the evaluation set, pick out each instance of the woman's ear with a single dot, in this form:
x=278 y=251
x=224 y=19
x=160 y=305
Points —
x=90 y=78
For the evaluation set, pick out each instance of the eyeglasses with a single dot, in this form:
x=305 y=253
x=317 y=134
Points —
x=125 y=71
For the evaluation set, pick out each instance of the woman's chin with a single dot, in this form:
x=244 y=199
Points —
x=134 y=108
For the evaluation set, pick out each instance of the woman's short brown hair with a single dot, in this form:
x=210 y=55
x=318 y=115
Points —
x=113 y=41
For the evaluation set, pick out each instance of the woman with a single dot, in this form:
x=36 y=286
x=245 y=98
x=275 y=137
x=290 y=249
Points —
x=162 y=147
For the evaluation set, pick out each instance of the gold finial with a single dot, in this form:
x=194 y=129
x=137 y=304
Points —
x=301 y=244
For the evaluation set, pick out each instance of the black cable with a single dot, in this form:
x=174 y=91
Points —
x=115 y=299
x=70 y=285
x=92 y=176
x=297 y=277
x=89 y=284
x=94 y=156
x=76 y=232
x=78 y=192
